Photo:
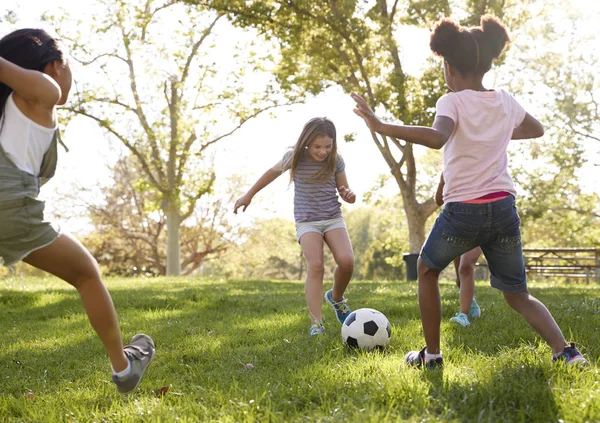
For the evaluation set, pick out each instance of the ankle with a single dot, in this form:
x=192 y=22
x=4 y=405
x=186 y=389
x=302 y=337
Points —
x=123 y=372
x=429 y=357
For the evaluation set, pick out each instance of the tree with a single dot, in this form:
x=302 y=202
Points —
x=153 y=78
x=555 y=210
x=129 y=230
x=353 y=44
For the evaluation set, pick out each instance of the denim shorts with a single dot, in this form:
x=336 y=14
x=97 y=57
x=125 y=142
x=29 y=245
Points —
x=319 y=226
x=495 y=227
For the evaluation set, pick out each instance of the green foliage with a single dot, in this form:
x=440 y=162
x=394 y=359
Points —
x=208 y=332
x=269 y=250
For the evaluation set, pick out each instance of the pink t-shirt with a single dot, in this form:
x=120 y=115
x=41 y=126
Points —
x=475 y=160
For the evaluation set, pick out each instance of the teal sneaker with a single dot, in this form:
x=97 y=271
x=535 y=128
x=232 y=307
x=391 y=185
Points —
x=139 y=353
x=474 y=311
x=316 y=329
x=340 y=307
x=461 y=319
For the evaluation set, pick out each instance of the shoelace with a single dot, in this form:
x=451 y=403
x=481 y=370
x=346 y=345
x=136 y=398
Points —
x=341 y=306
x=316 y=327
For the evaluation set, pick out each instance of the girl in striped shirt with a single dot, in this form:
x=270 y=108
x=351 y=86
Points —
x=319 y=175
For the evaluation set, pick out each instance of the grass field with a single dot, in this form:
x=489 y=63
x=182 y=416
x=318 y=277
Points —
x=233 y=351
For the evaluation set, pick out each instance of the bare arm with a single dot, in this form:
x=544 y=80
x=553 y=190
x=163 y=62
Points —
x=341 y=181
x=529 y=128
x=439 y=199
x=266 y=178
x=434 y=137
x=31 y=86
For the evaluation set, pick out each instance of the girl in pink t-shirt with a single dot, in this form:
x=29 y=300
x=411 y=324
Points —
x=474 y=126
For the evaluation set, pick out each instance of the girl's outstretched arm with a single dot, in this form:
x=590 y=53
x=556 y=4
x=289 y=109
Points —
x=434 y=137
x=30 y=85
x=529 y=128
x=346 y=193
x=267 y=177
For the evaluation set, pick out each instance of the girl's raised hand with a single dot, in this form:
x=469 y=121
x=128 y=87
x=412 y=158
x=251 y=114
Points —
x=347 y=194
x=244 y=200
x=364 y=111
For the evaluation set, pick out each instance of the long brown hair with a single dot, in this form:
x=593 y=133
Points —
x=313 y=129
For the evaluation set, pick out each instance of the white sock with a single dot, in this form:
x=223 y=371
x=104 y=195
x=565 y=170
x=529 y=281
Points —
x=429 y=357
x=123 y=372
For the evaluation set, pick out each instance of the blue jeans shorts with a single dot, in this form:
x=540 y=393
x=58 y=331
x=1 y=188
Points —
x=495 y=227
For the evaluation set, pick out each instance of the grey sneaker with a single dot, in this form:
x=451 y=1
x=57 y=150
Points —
x=139 y=353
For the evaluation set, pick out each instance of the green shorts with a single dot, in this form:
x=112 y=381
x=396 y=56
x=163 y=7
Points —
x=22 y=225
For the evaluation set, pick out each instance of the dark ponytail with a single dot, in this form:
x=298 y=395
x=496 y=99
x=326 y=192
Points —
x=30 y=49
x=469 y=50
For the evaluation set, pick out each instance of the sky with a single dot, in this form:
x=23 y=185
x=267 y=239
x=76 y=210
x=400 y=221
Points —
x=257 y=146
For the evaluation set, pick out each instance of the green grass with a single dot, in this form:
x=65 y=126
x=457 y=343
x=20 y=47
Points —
x=207 y=331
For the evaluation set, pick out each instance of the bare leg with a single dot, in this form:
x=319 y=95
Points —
x=68 y=259
x=341 y=248
x=456 y=262
x=430 y=306
x=538 y=316
x=312 y=246
x=466 y=272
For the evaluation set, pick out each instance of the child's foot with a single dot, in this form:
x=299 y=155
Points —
x=139 y=353
x=571 y=355
x=316 y=329
x=461 y=319
x=417 y=359
x=340 y=307
x=475 y=311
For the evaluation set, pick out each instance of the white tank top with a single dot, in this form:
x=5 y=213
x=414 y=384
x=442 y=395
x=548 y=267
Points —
x=24 y=141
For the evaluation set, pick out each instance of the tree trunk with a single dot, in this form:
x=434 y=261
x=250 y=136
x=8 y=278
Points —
x=416 y=216
x=173 y=255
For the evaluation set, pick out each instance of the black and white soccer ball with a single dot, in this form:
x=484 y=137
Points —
x=366 y=329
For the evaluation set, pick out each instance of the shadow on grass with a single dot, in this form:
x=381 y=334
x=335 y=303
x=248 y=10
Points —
x=207 y=334
x=511 y=393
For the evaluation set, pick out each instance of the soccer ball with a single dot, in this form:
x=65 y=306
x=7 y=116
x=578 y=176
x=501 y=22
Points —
x=366 y=329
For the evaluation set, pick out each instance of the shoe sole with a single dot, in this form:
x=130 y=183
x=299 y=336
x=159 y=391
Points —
x=578 y=361
x=149 y=362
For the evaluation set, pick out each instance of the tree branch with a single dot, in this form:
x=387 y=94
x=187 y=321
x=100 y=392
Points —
x=103 y=123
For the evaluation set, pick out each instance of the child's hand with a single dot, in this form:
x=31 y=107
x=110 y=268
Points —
x=364 y=111
x=242 y=201
x=347 y=194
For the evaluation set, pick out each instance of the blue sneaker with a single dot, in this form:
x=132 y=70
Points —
x=460 y=319
x=340 y=307
x=474 y=311
x=316 y=329
x=571 y=355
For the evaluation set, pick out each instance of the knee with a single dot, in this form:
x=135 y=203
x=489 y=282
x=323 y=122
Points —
x=466 y=270
x=346 y=263
x=424 y=271
x=315 y=267
x=86 y=274
x=516 y=300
